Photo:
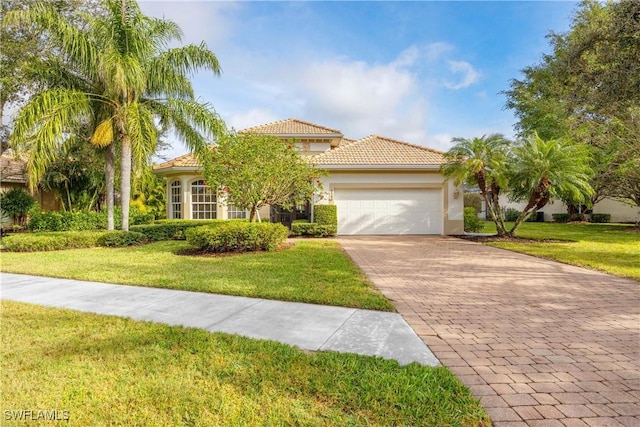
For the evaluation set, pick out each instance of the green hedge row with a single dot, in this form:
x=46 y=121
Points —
x=600 y=218
x=82 y=220
x=313 y=229
x=236 y=236
x=172 y=229
x=59 y=240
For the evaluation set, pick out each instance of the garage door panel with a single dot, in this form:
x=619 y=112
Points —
x=389 y=211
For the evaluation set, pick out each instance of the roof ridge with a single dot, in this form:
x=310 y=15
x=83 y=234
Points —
x=291 y=120
x=405 y=143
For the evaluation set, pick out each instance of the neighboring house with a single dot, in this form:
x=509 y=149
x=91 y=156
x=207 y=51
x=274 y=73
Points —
x=13 y=174
x=379 y=185
x=619 y=211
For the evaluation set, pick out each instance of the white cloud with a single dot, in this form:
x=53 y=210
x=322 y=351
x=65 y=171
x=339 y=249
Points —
x=435 y=51
x=198 y=20
x=253 y=117
x=469 y=74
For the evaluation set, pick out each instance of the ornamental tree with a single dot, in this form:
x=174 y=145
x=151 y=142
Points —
x=254 y=170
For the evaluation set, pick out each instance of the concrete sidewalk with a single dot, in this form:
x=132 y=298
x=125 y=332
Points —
x=308 y=326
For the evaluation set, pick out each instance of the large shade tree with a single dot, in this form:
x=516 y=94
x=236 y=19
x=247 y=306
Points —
x=588 y=89
x=135 y=84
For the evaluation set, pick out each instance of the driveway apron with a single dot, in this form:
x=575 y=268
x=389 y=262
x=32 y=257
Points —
x=540 y=343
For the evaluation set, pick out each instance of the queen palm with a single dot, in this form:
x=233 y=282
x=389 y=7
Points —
x=546 y=169
x=136 y=83
x=481 y=162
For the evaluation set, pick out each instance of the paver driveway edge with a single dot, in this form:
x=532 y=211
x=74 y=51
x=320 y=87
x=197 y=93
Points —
x=537 y=341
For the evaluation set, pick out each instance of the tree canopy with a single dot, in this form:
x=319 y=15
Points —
x=119 y=77
x=588 y=91
x=254 y=170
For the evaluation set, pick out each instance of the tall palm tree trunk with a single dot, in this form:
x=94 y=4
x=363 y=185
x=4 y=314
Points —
x=110 y=175
x=125 y=181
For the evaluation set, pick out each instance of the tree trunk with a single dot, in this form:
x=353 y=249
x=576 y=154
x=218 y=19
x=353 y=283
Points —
x=125 y=181
x=538 y=199
x=495 y=217
x=252 y=214
x=110 y=176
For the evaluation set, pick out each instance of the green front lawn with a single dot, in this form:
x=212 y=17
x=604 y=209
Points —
x=612 y=248
x=105 y=370
x=313 y=271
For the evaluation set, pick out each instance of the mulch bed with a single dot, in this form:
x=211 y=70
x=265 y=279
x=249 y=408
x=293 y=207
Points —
x=206 y=254
x=506 y=239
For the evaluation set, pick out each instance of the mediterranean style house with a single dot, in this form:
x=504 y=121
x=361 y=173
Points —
x=379 y=185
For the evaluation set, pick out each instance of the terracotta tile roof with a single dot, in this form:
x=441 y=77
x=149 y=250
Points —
x=185 y=161
x=12 y=169
x=293 y=127
x=377 y=150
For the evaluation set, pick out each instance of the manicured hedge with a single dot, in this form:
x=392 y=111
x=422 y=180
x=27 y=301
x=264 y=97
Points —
x=472 y=223
x=560 y=217
x=82 y=220
x=313 y=229
x=511 y=215
x=325 y=215
x=120 y=238
x=173 y=229
x=600 y=218
x=32 y=242
x=236 y=236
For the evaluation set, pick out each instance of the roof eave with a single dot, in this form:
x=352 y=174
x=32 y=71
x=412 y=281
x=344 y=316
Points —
x=378 y=167
x=168 y=170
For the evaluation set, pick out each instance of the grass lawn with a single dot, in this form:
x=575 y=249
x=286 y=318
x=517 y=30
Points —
x=612 y=248
x=106 y=370
x=313 y=271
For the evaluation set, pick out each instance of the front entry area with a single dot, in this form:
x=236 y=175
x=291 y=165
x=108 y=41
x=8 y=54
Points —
x=379 y=211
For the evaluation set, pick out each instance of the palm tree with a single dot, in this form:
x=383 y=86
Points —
x=482 y=162
x=544 y=170
x=137 y=84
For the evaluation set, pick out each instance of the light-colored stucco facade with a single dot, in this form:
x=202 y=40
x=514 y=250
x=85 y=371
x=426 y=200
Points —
x=373 y=166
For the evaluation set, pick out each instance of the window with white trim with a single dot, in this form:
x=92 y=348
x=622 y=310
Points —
x=176 y=200
x=234 y=212
x=203 y=201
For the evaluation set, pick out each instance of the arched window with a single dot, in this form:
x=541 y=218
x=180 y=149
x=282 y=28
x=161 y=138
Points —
x=175 y=201
x=203 y=201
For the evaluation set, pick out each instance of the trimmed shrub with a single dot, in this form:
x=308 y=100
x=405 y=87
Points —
x=511 y=215
x=472 y=223
x=83 y=220
x=236 y=236
x=312 y=229
x=120 y=238
x=560 y=217
x=325 y=215
x=600 y=218
x=32 y=242
x=173 y=229
x=16 y=203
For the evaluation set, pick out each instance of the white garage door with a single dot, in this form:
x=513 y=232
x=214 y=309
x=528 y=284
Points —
x=389 y=211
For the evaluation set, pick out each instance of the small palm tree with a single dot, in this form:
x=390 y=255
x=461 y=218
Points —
x=135 y=84
x=482 y=162
x=544 y=170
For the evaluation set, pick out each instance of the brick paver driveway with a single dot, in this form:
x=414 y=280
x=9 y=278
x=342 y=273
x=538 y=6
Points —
x=539 y=342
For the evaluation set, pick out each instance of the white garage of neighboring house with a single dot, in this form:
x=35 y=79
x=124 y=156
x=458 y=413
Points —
x=379 y=185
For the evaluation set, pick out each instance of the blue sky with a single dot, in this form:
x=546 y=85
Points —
x=421 y=72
